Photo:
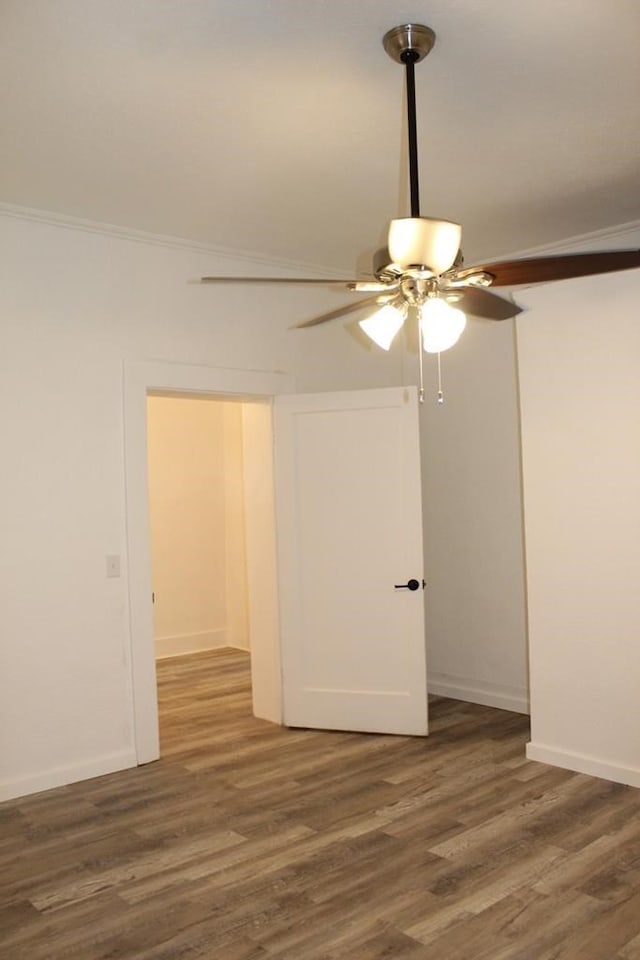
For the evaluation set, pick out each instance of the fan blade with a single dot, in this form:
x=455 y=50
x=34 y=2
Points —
x=482 y=303
x=339 y=312
x=544 y=269
x=327 y=282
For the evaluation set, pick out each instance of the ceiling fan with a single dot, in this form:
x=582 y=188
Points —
x=422 y=268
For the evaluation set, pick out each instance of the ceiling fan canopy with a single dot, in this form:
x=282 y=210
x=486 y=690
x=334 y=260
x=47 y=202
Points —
x=422 y=268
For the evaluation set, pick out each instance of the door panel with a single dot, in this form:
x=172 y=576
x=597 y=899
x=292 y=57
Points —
x=349 y=528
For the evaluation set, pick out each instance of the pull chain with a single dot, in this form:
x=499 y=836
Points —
x=440 y=393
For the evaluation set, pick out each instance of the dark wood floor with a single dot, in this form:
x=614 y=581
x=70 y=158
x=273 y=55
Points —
x=251 y=842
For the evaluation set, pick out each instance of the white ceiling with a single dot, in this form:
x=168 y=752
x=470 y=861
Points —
x=276 y=127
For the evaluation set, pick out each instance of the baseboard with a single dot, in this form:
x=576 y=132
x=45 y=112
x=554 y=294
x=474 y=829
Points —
x=477 y=691
x=581 y=763
x=60 y=776
x=190 y=643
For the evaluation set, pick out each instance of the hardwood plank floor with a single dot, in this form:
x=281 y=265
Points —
x=247 y=841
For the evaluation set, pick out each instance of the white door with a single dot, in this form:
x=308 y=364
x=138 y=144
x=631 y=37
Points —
x=349 y=521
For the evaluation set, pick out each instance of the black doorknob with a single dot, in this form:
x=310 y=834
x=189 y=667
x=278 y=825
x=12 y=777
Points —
x=409 y=585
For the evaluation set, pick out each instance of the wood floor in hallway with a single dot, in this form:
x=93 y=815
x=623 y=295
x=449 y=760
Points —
x=247 y=841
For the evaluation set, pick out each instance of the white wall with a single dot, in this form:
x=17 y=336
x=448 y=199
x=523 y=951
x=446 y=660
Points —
x=578 y=350
x=196 y=508
x=76 y=304
x=476 y=622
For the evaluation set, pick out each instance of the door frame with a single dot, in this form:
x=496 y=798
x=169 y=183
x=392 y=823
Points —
x=139 y=379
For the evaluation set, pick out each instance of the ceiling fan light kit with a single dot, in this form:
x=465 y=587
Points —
x=422 y=269
x=382 y=326
x=441 y=325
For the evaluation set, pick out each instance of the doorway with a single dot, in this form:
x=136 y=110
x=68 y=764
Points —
x=358 y=422
x=197 y=528
x=256 y=389
x=197 y=537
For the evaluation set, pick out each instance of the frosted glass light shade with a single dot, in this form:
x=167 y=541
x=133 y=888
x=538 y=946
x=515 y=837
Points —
x=441 y=325
x=424 y=242
x=383 y=325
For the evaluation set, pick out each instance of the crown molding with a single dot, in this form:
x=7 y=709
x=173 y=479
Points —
x=235 y=257
x=619 y=236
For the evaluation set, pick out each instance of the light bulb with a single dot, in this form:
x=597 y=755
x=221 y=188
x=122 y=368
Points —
x=441 y=325
x=424 y=242
x=383 y=325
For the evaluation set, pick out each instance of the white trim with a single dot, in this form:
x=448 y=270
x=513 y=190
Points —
x=237 y=257
x=617 y=237
x=60 y=776
x=140 y=378
x=261 y=560
x=582 y=763
x=181 y=644
x=477 y=691
x=622 y=235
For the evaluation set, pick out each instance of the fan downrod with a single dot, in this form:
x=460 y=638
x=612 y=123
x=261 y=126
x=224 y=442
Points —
x=408 y=45
x=412 y=37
